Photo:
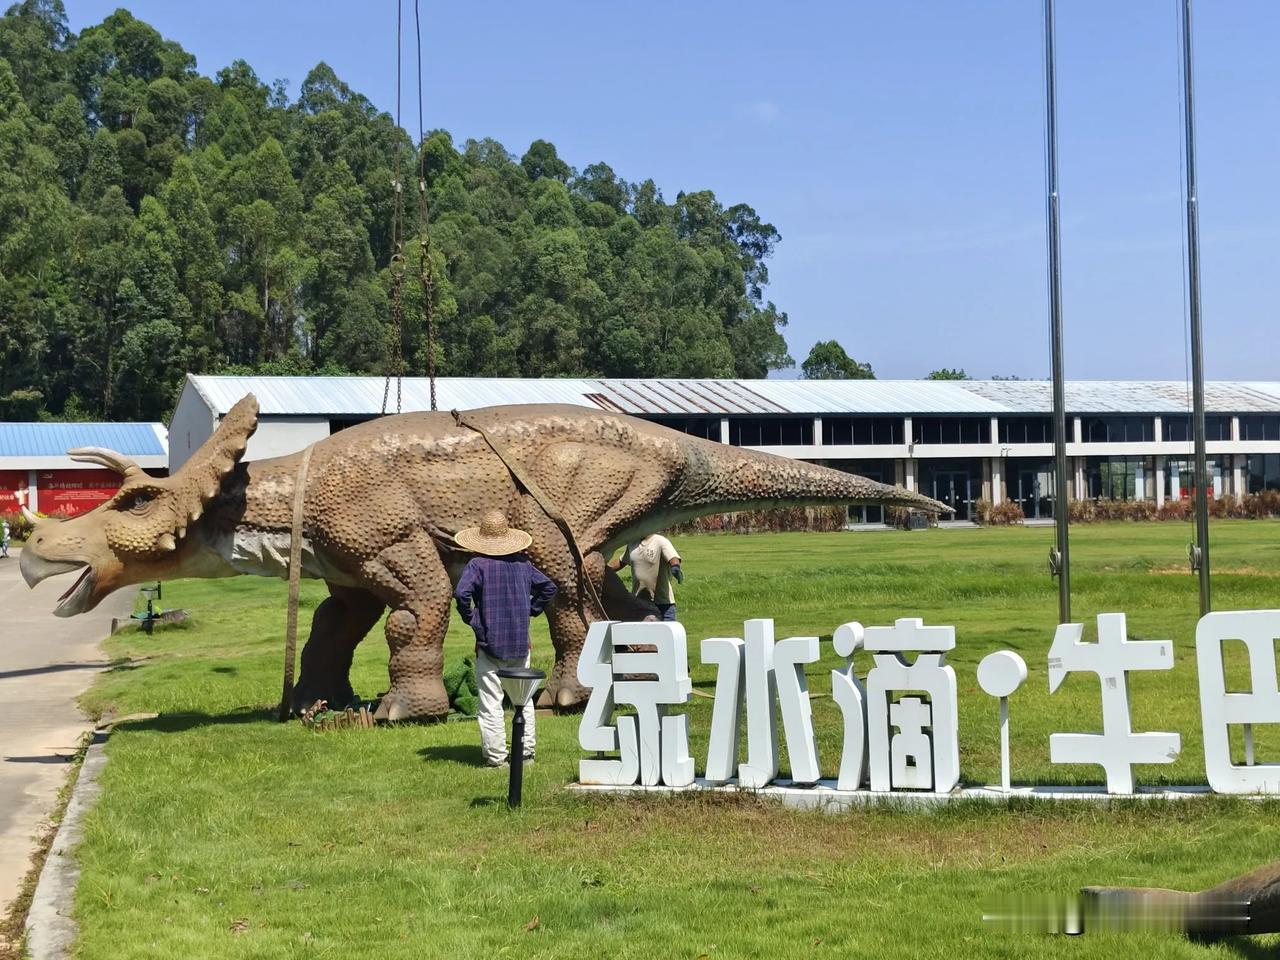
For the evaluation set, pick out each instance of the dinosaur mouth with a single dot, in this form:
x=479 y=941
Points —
x=76 y=599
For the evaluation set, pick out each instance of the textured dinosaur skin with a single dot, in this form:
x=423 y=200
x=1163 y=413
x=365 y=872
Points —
x=383 y=501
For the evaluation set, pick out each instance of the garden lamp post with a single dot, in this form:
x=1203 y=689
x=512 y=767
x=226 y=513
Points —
x=519 y=684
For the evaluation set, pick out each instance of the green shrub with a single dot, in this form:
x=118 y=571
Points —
x=20 y=526
x=782 y=520
x=1006 y=513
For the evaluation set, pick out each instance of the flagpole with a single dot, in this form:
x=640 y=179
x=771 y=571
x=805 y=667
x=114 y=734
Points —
x=1061 y=558
x=1193 y=291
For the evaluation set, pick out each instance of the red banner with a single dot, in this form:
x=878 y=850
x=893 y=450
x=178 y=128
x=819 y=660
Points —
x=10 y=482
x=71 y=492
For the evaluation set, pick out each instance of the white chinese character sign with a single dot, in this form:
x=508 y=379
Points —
x=1221 y=708
x=1117 y=748
x=900 y=724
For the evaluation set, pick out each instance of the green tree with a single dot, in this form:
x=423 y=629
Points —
x=947 y=373
x=828 y=360
x=155 y=221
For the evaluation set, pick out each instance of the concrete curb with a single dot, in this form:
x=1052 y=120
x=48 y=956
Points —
x=50 y=926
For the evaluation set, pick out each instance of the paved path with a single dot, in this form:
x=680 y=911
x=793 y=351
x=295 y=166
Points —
x=45 y=664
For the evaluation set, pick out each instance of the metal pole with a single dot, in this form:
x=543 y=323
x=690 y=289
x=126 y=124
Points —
x=515 y=784
x=1055 y=321
x=1193 y=291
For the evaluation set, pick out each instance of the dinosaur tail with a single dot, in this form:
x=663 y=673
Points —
x=718 y=477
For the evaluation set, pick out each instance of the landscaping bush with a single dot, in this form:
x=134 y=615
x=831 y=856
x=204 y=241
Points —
x=782 y=520
x=1252 y=506
x=1003 y=514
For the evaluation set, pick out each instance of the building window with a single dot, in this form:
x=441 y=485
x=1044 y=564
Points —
x=1030 y=484
x=1118 y=478
x=706 y=427
x=340 y=423
x=1263 y=471
x=951 y=430
x=1117 y=429
x=1026 y=430
x=770 y=431
x=838 y=431
x=1177 y=428
x=1260 y=428
x=879 y=470
x=1180 y=475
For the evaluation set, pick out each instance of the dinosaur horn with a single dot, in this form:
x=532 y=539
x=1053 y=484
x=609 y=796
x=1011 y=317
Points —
x=201 y=477
x=106 y=458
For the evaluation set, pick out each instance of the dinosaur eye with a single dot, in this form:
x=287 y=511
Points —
x=136 y=503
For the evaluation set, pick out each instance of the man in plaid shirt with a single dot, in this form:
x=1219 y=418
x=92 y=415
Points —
x=499 y=592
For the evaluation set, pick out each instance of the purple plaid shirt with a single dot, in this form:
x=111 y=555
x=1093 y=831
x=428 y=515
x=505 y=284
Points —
x=497 y=596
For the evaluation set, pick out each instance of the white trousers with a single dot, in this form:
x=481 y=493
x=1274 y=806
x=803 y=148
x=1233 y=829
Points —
x=493 y=728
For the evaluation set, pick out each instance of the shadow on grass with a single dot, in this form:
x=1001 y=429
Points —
x=477 y=802
x=178 y=722
x=467 y=754
x=1250 y=950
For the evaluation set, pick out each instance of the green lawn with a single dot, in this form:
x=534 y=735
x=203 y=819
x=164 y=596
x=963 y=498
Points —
x=223 y=833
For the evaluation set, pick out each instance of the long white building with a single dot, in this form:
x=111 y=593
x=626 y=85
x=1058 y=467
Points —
x=957 y=441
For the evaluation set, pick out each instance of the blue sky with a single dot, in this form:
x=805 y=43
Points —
x=897 y=146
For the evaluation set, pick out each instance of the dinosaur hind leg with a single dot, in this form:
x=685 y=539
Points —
x=411 y=579
x=340 y=622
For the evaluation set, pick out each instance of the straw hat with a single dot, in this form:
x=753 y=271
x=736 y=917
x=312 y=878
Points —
x=493 y=538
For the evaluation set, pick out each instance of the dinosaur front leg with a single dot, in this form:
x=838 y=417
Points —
x=411 y=579
x=568 y=618
x=339 y=624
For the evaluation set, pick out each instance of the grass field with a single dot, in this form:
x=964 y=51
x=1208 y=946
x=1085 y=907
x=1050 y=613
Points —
x=221 y=833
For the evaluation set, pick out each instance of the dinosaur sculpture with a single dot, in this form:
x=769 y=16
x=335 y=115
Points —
x=382 y=503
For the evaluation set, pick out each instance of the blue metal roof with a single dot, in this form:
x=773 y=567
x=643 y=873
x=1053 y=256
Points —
x=55 y=439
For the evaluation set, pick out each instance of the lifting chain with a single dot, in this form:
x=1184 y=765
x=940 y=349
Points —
x=426 y=275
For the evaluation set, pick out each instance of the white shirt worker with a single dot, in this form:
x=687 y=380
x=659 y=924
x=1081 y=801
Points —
x=654 y=563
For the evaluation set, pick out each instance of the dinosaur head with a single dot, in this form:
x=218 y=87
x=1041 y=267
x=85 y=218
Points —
x=140 y=533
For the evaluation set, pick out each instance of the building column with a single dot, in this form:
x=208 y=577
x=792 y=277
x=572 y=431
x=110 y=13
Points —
x=909 y=467
x=997 y=481
x=1080 y=492
x=724 y=429
x=1077 y=430
x=1175 y=484
x=1159 y=472
x=899 y=473
x=33 y=492
x=817 y=431
x=1237 y=472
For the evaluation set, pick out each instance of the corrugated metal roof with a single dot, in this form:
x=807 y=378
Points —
x=362 y=396
x=1129 y=396
x=55 y=439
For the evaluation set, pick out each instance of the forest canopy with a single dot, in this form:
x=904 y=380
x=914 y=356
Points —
x=155 y=221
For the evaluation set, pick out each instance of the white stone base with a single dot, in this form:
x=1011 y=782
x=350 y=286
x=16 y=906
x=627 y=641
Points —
x=824 y=795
